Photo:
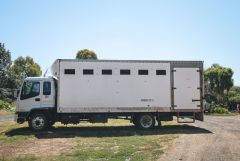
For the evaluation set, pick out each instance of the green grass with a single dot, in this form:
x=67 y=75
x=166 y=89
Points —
x=120 y=148
x=115 y=141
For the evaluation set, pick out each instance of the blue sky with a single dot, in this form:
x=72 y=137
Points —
x=136 y=29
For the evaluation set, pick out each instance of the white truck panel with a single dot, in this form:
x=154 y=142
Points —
x=187 y=92
x=113 y=93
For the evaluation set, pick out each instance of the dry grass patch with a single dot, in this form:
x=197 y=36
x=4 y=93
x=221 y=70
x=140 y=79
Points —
x=4 y=113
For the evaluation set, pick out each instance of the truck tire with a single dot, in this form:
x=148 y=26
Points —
x=38 y=122
x=145 y=121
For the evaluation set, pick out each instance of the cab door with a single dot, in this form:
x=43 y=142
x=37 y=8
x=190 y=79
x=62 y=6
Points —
x=30 y=96
x=48 y=94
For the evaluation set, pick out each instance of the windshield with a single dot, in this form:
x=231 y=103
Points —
x=30 y=89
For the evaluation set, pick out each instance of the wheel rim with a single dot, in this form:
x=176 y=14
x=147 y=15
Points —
x=38 y=122
x=146 y=121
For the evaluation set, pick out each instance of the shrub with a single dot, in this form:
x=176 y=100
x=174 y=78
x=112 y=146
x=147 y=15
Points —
x=6 y=106
x=6 y=94
x=220 y=109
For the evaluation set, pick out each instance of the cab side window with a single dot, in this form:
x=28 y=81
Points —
x=46 y=88
x=30 y=89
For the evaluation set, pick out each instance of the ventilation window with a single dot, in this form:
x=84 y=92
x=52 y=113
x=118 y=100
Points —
x=69 y=71
x=125 y=72
x=161 y=72
x=87 y=71
x=106 y=72
x=142 y=72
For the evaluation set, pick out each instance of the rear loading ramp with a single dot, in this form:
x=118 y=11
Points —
x=187 y=94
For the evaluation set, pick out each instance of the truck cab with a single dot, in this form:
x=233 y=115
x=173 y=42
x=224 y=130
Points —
x=37 y=95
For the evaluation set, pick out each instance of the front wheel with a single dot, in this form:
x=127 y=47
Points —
x=145 y=121
x=38 y=122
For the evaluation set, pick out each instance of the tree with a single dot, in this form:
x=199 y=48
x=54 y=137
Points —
x=234 y=97
x=86 y=54
x=5 y=59
x=234 y=94
x=11 y=75
x=5 y=63
x=22 y=68
x=219 y=79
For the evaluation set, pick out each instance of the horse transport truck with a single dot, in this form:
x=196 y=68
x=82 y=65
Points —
x=142 y=91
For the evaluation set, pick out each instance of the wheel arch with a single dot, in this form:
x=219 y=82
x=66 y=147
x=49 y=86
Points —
x=48 y=112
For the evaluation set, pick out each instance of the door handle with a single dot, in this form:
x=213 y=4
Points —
x=37 y=99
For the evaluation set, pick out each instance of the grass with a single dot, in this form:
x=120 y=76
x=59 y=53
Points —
x=115 y=141
x=133 y=148
x=8 y=126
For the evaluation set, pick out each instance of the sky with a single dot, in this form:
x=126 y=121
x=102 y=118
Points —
x=207 y=30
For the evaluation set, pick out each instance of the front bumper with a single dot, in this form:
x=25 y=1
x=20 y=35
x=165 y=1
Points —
x=21 y=117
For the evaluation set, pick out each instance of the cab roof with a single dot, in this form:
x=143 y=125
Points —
x=38 y=78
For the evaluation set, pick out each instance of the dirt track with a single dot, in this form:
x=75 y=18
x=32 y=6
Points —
x=222 y=143
x=6 y=118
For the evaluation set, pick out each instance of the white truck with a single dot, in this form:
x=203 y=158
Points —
x=95 y=90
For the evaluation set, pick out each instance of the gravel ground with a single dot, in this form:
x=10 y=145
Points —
x=222 y=143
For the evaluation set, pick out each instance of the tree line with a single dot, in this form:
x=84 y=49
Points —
x=220 y=93
x=13 y=72
x=219 y=89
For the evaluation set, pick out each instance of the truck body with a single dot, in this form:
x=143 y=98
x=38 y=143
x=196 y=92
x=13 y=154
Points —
x=95 y=90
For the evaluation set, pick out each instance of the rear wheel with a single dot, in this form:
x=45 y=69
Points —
x=145 y=121
x=38 y=122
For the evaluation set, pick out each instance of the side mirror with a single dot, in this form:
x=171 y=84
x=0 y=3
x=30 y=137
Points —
x=15 y=93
